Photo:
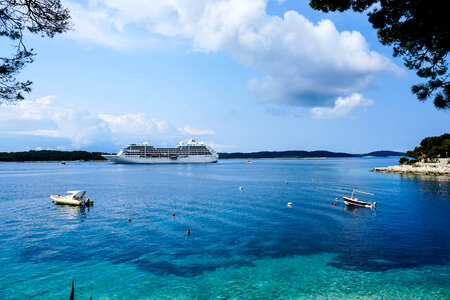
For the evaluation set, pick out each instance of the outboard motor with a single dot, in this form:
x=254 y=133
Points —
x=86 y=202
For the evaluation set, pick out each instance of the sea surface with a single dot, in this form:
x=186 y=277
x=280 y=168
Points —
x=244 y=243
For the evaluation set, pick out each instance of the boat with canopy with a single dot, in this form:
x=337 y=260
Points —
x=73 y=198
x=357 y=202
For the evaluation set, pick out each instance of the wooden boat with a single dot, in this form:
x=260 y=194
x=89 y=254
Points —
x=357 y=202
x=73 y=198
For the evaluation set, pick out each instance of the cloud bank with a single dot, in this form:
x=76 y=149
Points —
x=189 y=130
x=304 y=64
x=47 y=117
x=341 y=108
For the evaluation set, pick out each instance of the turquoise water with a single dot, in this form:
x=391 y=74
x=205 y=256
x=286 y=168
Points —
x=243 y=244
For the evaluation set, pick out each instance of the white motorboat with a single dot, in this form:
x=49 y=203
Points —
x=73 y=198
x=357 y=202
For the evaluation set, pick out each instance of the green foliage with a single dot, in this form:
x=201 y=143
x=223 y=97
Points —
x=406 y=161
x=431 y=147
x=44 y=17
x=403 y=160
x=412 y=161
x=418 y=30
x=50 y=155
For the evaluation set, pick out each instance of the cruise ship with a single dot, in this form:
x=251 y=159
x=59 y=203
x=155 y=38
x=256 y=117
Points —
x=189 y=153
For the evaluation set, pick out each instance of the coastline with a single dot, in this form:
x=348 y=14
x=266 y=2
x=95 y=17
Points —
x=105 y=160
x=422 y=169
x=225 y=158
x=287 y=157
x=53 y=161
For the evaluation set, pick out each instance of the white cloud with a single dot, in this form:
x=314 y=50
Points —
x=99 y=25
x=304 y=64
x=133 y=123
x=342 y=107
x=221 y=147
x=46 y=117
x=193 y=131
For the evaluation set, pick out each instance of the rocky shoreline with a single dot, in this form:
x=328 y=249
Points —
x=421 y=169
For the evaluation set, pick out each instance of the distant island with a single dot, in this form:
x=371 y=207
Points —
x=430 y=158
x=305 y=154
x=55 y=155
x=50 y=155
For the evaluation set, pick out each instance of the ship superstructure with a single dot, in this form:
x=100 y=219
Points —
x=191 y=152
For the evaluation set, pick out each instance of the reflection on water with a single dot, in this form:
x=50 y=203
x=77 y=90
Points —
x=359 y=209
x=71 y=212
x=426 y=178
x=436 y=191
x=429 y=184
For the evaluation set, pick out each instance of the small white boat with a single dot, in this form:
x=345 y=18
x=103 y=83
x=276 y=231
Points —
x=357 y=202
x=73 y=198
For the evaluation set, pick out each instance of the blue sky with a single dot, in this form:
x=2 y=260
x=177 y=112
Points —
x=245 y=75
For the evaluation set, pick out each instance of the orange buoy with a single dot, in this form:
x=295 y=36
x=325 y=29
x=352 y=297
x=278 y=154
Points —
x=334 y=203
x=188 y=232
x=129 y=220
x=173 y=215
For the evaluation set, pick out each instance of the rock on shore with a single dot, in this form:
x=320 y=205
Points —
x=421 y=169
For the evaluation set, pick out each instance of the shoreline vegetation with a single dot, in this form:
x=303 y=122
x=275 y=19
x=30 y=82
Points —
x=305 y=154
x=51 y=156
x=430 y=158
x=85 y=156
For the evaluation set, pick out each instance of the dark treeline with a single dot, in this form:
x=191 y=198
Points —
x=50 y=155
x=432 y=147
x=304 y=154
x=55 y=155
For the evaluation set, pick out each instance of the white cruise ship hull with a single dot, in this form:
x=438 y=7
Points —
x=190 y=159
